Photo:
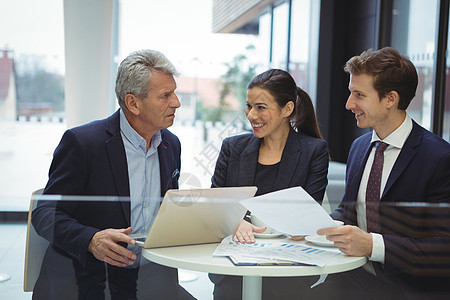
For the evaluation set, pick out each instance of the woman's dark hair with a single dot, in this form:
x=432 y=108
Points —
x=283 y=88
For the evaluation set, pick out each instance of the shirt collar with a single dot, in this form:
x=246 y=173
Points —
x=135 y=139
x=398 y=137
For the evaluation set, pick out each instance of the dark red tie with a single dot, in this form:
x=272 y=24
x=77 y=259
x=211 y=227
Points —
x=373 y=189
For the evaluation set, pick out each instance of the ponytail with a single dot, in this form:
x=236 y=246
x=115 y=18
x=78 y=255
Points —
x=304 y=117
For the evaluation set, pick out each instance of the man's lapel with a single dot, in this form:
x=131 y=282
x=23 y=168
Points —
x=360 y=160
x=355 y=169
x=167 y=167
x=406 y=155
x=118 y=160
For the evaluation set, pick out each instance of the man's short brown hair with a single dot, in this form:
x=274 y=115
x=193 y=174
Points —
x=391 y=71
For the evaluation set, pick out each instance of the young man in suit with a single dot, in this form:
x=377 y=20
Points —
x=129 y=154
x=398 y=218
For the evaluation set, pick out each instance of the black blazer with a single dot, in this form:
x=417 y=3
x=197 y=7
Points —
x=304 y=163
x=91 y=160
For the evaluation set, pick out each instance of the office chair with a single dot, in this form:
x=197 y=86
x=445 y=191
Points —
x=34 y=251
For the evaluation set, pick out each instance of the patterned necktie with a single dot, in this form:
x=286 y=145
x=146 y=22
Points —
x=373 y=189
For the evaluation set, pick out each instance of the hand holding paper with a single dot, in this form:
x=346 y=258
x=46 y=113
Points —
x=292 y=211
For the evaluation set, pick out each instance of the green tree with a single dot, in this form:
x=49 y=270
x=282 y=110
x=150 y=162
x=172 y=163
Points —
x=234 y=82
x=240 y=72
x=36 y=84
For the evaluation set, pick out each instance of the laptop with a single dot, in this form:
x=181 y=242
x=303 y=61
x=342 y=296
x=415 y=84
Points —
x=197 y=216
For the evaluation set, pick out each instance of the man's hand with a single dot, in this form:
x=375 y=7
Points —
x=351 y=240
x=105 y=248
x=244 y=233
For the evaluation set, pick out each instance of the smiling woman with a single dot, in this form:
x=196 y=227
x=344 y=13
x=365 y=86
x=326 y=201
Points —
x=284 y=126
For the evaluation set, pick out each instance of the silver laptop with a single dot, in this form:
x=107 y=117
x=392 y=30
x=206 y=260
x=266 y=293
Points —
x=197 y=216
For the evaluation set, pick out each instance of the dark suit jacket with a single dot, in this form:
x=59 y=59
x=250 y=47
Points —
x=91 y=160
x=416 y=237
x=304 y=163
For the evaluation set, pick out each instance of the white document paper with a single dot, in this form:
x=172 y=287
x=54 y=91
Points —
x=292 y=211
x=265 y=250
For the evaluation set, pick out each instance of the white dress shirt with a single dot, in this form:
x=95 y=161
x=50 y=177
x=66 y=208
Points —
x=396 y=140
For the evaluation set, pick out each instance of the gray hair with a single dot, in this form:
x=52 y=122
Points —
x=135 y=72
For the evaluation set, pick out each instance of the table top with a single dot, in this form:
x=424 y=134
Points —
x=200 y=258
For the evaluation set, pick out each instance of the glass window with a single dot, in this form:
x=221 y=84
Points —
x=304 y=41
x=32 y=108
x=446 y=129
x=304 y=44
x=279 y=43
x=264 y=38
x=413 y=17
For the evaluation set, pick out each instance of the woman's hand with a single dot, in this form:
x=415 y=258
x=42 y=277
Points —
x=244 y=233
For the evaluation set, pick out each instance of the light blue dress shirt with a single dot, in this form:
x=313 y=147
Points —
x=144 y=177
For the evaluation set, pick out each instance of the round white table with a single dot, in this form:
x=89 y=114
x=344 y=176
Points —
x=200 y=258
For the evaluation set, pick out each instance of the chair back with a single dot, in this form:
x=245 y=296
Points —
x=34 y=251
x=326 y=203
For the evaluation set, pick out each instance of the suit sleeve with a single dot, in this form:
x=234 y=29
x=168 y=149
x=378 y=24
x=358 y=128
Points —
x=219 y=178
x=53 y=219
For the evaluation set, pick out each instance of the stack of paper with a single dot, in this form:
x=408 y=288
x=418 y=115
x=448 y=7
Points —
x=291 y=211
x=274 y=253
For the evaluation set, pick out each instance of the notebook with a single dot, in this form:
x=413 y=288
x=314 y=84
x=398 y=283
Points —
x=197 y=216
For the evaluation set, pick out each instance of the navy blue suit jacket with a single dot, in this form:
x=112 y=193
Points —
x=304 y=163
x=416 y=237
x=91 y=160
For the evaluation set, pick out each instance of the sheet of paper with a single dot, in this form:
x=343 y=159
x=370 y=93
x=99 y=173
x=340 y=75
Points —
x=292 y=211
x=244 y=260
x=277 y=251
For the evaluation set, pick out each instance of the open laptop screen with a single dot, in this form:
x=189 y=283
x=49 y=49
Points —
x=198 y=216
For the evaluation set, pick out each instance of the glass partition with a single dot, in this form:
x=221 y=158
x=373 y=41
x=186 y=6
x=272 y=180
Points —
x=416 y=236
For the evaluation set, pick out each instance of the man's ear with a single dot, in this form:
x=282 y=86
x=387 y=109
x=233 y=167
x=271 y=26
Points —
x=132 y=103
x=288 y=108
x=392 y=99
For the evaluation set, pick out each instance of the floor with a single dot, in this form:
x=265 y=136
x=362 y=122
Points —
x=12 y=252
